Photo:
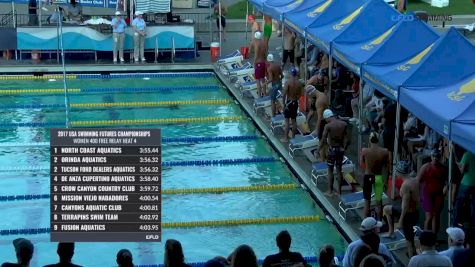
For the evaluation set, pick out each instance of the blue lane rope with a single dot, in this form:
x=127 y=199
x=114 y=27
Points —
x=23 y=197
x=193 y=139
x=31 y=106
x=148 y=89
x=30 y=124
x=150 y=75
x=208 y=139
x=217 y=162
x=164 y=164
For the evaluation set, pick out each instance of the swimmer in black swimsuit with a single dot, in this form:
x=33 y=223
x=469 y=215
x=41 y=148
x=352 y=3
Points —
x=293 y=89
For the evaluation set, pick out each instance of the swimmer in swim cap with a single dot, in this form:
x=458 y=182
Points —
x=293 y=89
x=260 y=50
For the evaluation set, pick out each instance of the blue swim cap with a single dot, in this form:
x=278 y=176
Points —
x=293 y=71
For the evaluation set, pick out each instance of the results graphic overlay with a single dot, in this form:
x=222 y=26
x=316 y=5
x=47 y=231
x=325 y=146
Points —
x=105 y=185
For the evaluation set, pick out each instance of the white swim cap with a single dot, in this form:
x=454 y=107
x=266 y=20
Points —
x=270 y=57
x=258 y=35
x=327 y=113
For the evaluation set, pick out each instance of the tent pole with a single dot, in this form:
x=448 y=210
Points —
x=220 y=29
x=330 y=63
x=247 y=15
x=360 y=118
x=396 y=148
x=40 y=13
x=282 y=42
x=305 y=65
x=13 y=14
x=449 y=199
x=210 y=24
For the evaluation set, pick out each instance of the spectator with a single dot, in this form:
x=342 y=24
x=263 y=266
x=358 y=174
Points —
x=118 y=33
x=360 y=253
x=24 y=252
x=326 y=256
x=65 y=252
x=244 y=256
x=174 y=254
x=367 y=225
x=467 y=188
x=389 y=125
x=285 y=256
x=433 y=180
x=124 y=258
x=139 y=27
x=74 y=11
x=466 y=257
x=456 y=238
x=217 y=262
x=373 y=260
x=224 y=11
x=289 y=45
x=429 y=256
x=32 y=15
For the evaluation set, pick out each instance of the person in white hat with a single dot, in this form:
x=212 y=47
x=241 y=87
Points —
x=139 y=27
x=456 y=239
x=334 y=137
x=118 y=35
x=274 y=76
x=260 y=56
x=368 y=225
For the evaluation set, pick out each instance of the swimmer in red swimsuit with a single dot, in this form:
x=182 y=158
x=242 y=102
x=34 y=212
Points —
x=260 y=48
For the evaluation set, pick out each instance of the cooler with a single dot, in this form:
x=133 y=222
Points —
x=245 y=52
x=214 y=51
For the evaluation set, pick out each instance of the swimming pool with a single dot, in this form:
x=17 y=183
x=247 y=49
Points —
x=169 y=101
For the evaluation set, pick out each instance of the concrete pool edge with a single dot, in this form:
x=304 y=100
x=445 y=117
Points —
x=343 y=227
x=31 y=69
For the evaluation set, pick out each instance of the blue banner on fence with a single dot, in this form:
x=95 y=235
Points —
x=89 y=3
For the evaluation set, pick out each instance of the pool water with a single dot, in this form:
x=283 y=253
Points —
x=199 y=244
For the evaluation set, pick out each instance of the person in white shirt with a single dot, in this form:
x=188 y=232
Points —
x=429 y=256
x=456 y=240
x=367 y=225
x=139 y=27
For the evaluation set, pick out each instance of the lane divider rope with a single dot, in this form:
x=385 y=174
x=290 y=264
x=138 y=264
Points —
x=165 y=225
x=214 y=190
x=164 y=164
x=149 y=75
x=193 y=139
x=107 y=90
x=31 y=77
x=120 y=104
x=154 y=121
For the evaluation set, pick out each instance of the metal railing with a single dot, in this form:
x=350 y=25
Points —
x=6 y=20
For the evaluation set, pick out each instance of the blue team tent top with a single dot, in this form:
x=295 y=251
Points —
x=398 y=57
x=449 y=110
x=441 y=87
x=277 y=8
x=258 y=4
x=463 y=127
x=331 y=23
x=305 y=14
x=363 y=37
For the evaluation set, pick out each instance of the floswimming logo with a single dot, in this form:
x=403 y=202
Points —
x=319 y=9
x=347 y=20
x=412 y=17
x=468 y=88
x=378 y=40
x=415 y=60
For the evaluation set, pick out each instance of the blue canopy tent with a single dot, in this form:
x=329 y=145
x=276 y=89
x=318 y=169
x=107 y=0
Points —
x=304 y=15
x=364 y=36
x=277 y=8
x=332 y=22
x=463 y=127
x=440 y=75
x=397 y=58
x=258 y=4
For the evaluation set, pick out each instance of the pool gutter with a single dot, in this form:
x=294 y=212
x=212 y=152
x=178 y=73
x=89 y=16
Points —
x=347 y=231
